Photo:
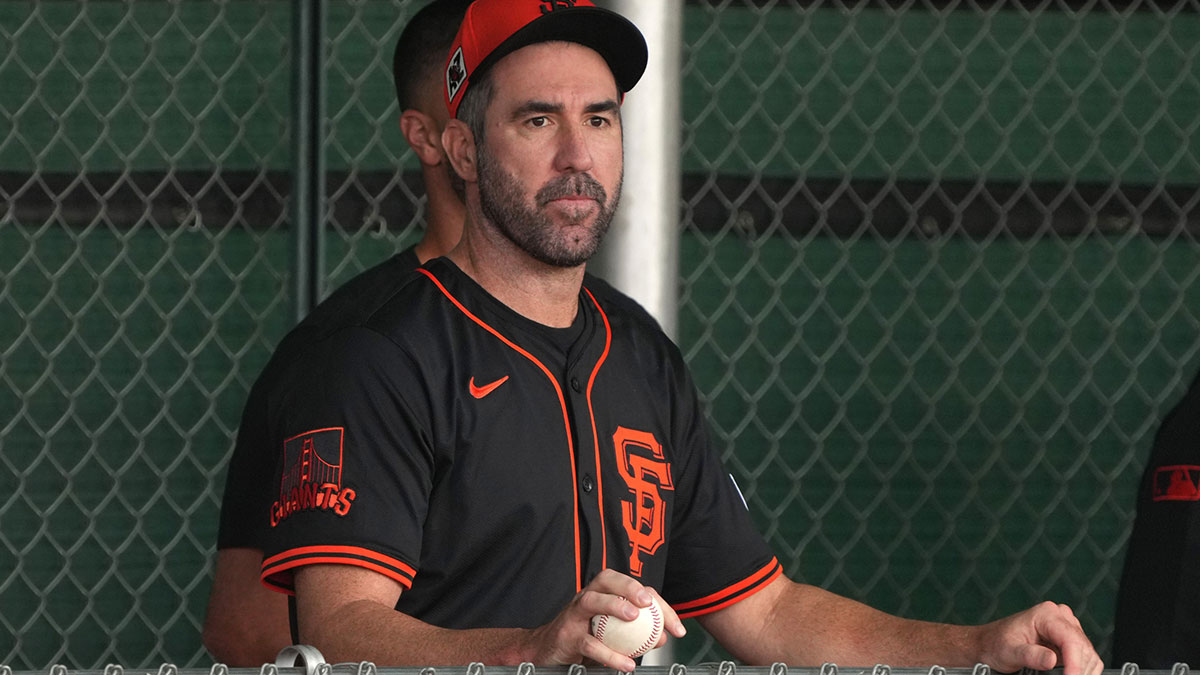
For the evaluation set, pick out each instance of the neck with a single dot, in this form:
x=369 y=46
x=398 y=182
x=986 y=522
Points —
x=543 y=293
x=445 y=214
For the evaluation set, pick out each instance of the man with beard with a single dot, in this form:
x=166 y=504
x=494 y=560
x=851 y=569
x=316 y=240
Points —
x=505 y=447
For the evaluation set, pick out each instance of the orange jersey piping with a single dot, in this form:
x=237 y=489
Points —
x=343 y=555
x=731 y=594
x=561 y=402
x=595 y=434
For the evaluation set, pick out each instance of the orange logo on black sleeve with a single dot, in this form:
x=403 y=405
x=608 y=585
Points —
x=1178 y=483
x=646 y=471
x=312 y=475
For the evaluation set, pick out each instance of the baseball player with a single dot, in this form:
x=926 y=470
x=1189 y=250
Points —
x=246 y=624
x=1158 y=601
x=474 y=464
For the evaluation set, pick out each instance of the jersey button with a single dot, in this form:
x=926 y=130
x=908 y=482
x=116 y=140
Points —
x=576 y=386
x=588 y=484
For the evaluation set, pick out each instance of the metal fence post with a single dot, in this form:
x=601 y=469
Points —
x=308 y=158
x=641 y=254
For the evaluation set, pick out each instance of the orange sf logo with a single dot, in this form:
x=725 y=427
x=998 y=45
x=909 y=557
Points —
x=640 y=458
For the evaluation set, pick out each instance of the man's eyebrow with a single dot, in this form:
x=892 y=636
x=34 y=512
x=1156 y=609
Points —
x=538 y=108
x=547 y=108
x=603 y=106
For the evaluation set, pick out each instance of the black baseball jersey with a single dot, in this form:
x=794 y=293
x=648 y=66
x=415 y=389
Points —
x=253 y=460
x=492 y=465
x=1158 y=602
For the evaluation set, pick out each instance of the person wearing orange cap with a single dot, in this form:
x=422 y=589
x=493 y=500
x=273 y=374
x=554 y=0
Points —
x=505 y=447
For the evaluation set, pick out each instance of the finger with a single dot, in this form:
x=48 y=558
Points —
x=597 y=651
x=634 y=594
x=1081 y=659
x=634 y=591
x=1070 y=615
x=612 y=581
x=1063 y=630
x=1082 y=662
x=671 y=620
x=1037 y=657
x=592 y=602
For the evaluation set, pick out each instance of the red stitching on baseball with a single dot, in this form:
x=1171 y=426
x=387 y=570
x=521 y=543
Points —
x=656 y=628
x=655 y=631
x=601 y=622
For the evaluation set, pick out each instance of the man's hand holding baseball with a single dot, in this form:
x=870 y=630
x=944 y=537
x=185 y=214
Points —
x=568 y=638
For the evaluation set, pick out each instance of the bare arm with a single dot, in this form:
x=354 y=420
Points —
x=246 y=624
x=348 y=614
x=804 y=625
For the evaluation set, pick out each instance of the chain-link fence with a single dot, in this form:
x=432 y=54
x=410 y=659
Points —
x=146 y=267
x=939 y=284
x=144 y=154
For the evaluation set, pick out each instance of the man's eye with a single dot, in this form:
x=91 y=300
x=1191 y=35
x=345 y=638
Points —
x=598 y=121
x=538 y=121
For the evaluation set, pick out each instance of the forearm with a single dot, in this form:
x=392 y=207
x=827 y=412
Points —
x=245 y=625
x=806 y=626
x=244 y=644
x=850 y=633
x=368 y=631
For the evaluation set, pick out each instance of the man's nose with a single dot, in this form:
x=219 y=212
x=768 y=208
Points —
x=574 y=152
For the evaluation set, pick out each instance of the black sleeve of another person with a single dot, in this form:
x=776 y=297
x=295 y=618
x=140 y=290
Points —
x=1158 y=601
x=249 y=492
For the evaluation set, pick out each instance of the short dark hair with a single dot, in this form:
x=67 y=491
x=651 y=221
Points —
x=474 y=105
x=424 y=47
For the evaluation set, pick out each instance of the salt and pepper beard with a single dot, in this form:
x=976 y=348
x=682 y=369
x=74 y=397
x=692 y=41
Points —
x=531 y=229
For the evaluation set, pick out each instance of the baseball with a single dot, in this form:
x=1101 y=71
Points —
x=632 y=638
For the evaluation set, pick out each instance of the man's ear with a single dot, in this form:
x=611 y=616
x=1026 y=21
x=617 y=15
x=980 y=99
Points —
x=459 y=143
x=422 y=135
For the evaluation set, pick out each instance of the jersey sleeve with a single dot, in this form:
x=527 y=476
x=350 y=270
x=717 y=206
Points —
x=717 y=557
x=353 y=466
x=244 y=500
x=254 y=455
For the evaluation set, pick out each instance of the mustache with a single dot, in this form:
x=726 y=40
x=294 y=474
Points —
x=577 y=185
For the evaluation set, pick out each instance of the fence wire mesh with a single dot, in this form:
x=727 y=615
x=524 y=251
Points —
x=939 y=284
x=143 y=262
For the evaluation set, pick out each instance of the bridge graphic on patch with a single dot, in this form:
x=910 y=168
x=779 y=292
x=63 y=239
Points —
x=312 y=458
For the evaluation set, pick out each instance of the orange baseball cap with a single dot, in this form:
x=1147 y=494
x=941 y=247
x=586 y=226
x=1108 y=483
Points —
x=492 y=29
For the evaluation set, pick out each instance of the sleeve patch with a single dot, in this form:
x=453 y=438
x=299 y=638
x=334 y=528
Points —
x=1177 y=483
x=312 y=475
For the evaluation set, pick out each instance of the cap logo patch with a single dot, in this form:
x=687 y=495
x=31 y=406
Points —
x=312 y=475
x=456 y=74
x=551 y=5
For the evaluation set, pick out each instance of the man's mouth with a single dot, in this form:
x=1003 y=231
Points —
x=572 y=199
x=572 y=190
